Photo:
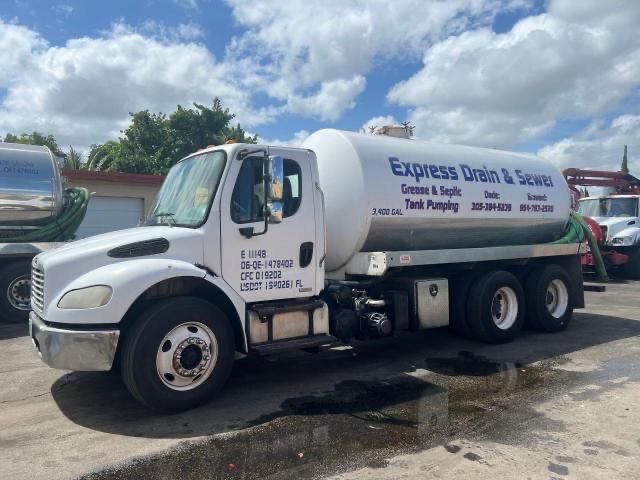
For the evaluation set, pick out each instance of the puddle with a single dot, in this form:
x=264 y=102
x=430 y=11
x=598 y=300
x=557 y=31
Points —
x=374 y=401
x=357 y=424
x=477 y=378
x=469 y=363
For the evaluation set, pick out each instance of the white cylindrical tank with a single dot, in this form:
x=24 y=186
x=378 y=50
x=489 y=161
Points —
x=390 y=194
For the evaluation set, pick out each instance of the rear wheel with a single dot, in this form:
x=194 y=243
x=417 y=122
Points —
x=495 y=308
x=15 y=291
x=460 y=286
x=178 y=354
x=549 y=298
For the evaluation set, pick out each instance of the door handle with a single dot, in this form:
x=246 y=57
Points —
x=306 y=254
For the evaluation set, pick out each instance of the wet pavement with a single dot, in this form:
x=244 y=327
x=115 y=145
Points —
x=427 y=403
x=358 y=424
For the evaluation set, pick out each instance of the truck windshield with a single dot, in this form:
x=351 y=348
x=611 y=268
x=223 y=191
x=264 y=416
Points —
x=609 y=207
x=187 y=192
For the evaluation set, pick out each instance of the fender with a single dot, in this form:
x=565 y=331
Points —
x=237 y=301
x=128 y=280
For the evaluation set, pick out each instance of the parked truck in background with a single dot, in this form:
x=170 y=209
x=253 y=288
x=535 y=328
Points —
x=257 y=249
x=36 y=215
x=616 y=215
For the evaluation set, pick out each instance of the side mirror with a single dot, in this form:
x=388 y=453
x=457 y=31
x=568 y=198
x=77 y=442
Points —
x=273 y=169
x=275 y=175
x=275 y=212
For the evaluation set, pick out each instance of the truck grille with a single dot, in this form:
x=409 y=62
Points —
x=37 y=288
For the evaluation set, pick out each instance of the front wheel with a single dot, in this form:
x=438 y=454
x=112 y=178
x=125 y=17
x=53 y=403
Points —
x=15 y=291
x=179 y=352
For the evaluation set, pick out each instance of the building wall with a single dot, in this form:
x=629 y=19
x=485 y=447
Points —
x=119 y=200
x=111 y=184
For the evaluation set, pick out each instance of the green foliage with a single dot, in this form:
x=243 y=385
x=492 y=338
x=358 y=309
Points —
x=104 y=156
x=73 y=160
x=36 y=138
x=154 y=142
x=625 y=162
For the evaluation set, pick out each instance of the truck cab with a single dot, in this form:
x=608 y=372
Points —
x=618 y=217
x=236 y=238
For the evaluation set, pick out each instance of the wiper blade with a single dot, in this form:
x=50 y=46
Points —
x=167 y=215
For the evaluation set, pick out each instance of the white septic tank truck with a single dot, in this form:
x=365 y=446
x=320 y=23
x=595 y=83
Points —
x=255 y=249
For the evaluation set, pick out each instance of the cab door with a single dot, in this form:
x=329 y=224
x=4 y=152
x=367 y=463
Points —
x=282 y=262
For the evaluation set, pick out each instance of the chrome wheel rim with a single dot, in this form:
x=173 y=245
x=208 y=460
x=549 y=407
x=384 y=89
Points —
x=557 y=298
x=504 y=308
x=186 y=356
x=19 y=293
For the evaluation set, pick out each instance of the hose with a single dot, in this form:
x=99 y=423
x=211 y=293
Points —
x=64 y=226
x=576 y=232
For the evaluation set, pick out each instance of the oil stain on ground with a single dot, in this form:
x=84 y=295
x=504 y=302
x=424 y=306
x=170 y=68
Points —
x=358 y=424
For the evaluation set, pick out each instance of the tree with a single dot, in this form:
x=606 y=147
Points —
x=36 y=138
x=104 y=156
x=73 y=160
x=625 y=163
x=154 y=142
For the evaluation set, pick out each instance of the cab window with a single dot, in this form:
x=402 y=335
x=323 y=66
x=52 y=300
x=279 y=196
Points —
x=292 y=188
x=248 y=192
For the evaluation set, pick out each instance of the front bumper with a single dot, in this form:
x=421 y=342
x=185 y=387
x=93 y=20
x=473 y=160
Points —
x=70 y=349
x=611 y=258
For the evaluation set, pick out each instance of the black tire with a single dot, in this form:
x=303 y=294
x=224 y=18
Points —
x=142 y=341
x=631 y=269
x=459 y=288
x=538 y=298
x=12 y=275
x=485 y=298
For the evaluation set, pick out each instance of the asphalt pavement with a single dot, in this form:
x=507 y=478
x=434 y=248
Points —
x=429 y=405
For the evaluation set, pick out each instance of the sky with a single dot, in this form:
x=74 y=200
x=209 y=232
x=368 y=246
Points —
x=559 y=78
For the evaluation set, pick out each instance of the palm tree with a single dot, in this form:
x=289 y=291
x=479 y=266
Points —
x=103 y=157
x=73 y=160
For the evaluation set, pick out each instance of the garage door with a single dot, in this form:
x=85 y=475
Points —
x=106 y=214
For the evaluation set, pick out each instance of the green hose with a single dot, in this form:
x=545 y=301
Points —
x=576 y=232
x=64 y=226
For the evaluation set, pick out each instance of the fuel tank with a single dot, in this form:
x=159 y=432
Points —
x=30 y=185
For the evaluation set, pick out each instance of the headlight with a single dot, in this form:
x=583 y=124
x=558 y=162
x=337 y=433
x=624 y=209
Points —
x=624 y=241
x=90 y=297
